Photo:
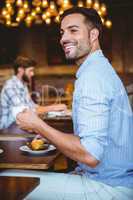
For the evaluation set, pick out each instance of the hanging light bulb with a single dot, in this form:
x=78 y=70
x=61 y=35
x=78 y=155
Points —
x=108 y=23
x=96 y=5
x=8 y=5
x=89 y=3
x=48 y=21
x=103 y=20
x=44 y=3
x=19 y=3
x=33 y=13
x=66 y=4
x=26 y=6
x=48 y=14
x=21 y=12
x=103 y=9
x=61 y=11
x=99 y=12
x=38 y=9
x=80 y=4
x=8 y=16
x=28 y=20
x=10 y=10
x=8 y=23
x=52 y=5
x=36 y=3
x=53 y=9
x=44 y=16
x=57 y=19
x=4 y=12
x=18 y=19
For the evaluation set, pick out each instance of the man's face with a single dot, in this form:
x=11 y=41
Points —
x=75 y=37
x=28 y=74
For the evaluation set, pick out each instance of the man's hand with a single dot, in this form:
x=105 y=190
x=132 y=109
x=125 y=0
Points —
x=28 y=120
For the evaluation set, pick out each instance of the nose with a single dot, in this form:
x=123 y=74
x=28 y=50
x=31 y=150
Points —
x=32 y=74
x=64 y=38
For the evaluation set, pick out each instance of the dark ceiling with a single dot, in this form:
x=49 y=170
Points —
x=118 y=2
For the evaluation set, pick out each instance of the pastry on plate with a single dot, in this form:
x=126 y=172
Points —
x=37 y=144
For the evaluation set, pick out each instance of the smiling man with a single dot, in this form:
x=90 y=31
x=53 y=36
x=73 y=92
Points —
x=76 y=38
x=102 y=142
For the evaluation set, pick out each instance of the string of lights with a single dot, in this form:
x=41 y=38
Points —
x=29 y=12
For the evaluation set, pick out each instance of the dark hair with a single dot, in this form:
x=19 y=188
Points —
x=91 y=16
x=23 y=62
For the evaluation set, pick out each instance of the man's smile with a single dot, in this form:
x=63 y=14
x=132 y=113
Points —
x=68 y=47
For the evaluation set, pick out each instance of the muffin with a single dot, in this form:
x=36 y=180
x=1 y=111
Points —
x=37 y=144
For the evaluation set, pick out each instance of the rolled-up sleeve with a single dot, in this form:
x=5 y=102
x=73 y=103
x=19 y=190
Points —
x=92 y=120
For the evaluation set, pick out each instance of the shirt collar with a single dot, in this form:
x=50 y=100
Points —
x=19 y=83
x=91 y=57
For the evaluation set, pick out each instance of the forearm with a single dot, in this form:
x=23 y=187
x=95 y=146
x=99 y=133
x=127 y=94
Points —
x=68 y=144
x=41 y=109
x=44 y=109
x=53 y=107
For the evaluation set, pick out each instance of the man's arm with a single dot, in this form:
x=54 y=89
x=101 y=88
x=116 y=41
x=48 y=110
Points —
x=68 y=144
x=53 y=107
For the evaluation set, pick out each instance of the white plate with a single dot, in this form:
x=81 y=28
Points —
x=56 y=114
x=59 y=114
x=1 y=151
x=25 y=148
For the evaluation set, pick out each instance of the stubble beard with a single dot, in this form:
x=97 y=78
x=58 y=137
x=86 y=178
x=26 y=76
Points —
x=78 y=57
x=25 y=79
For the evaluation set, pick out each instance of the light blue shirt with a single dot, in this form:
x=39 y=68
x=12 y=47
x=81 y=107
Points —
x=103 y=120
x=14 y=95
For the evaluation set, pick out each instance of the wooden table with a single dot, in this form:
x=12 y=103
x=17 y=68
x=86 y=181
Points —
x=15 y=131
x=17 y=188
x=13 y=137
x=60 y=123
x=13 y=157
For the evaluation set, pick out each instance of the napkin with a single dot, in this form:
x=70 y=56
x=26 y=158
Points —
x=18 y=109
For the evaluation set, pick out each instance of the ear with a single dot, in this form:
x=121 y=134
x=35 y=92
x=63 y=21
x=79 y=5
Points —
x=94 y=33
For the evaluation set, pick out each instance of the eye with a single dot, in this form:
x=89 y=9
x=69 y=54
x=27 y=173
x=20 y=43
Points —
x=73 y=30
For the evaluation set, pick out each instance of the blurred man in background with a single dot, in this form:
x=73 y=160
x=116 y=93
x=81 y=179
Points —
x=15 y=94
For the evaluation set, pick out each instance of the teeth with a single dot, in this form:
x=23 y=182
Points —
x=68 y=47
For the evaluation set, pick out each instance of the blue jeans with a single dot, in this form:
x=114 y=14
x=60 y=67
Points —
x=59 y=186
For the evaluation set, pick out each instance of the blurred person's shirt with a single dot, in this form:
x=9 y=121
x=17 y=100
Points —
x=14 y=98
